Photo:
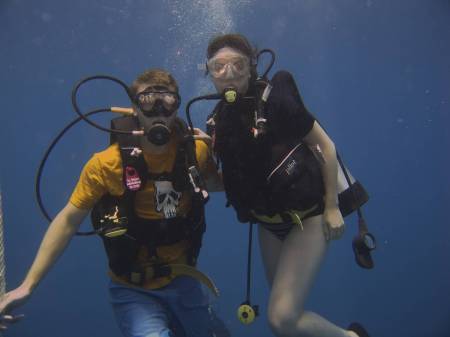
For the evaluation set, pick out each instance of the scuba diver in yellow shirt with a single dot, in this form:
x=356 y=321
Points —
x=146 y=199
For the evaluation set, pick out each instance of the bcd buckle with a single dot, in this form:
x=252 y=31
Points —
x=293 y=217
x=112 y=225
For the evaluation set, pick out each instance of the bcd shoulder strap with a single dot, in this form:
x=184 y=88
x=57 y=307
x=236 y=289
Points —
x=185 y=166
x=188 y=148
x=133 y=162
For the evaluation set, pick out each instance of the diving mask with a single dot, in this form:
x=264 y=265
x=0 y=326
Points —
x=157 y=102
x=228 y=65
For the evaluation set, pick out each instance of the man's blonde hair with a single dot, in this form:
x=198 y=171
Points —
x=154 y=77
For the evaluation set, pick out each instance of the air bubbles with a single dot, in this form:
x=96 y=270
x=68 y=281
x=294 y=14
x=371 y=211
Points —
x=279 y=26
x=193 y=24
x=106 y=49
x=38 y=41
x=46 y=17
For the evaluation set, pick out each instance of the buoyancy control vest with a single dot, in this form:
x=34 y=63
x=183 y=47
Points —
x=122 y=250
x=276 y=172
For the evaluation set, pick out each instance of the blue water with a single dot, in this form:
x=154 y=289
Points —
x=375 y=72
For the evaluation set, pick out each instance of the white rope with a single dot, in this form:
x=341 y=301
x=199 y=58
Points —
x=2 y=252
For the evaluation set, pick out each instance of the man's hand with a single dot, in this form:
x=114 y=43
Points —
x=200 y=135
x=7 y=319
x=9 y=301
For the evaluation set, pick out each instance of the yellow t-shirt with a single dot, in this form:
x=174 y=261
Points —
x=103 y=174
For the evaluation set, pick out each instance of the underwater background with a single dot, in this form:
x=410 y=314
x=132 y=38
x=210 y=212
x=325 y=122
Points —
x=376 y=73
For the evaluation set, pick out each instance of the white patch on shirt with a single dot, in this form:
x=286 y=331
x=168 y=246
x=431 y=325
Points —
x=167 y=199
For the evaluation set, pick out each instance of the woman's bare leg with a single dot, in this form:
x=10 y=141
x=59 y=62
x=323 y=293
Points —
x=291 y=266
x=270 y=251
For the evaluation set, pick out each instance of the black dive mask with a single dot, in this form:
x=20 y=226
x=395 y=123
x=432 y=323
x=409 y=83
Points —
x=155 y=103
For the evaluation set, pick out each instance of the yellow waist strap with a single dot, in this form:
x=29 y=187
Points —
x=174 y=270
x=295 y=216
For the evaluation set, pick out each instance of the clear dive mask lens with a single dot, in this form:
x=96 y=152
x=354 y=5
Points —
x=147 y=100
x=219 y=67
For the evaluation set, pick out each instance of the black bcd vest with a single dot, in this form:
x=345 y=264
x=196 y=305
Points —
x=247 y=162
x=122 y=250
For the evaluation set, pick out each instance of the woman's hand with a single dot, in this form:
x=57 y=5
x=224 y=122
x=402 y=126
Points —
x=334 y=225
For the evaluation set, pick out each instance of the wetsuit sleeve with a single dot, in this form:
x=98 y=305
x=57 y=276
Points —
x=205 y=161
x=91 y=185
x=286 y=110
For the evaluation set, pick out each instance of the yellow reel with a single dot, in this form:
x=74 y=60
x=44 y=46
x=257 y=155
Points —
x=246 y=314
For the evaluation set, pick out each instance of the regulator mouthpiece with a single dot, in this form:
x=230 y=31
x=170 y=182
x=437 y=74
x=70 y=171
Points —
x=230 y=95
x=158 y=134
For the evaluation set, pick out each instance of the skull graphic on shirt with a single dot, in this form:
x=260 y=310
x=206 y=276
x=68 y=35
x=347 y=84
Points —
x=167 y=199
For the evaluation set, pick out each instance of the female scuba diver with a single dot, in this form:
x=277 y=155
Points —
x=297 y=218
